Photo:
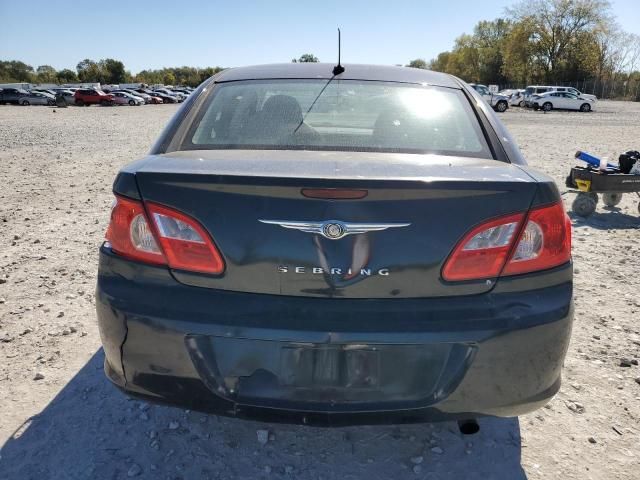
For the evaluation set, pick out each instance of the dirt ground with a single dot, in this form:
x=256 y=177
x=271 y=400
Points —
x=60 y=419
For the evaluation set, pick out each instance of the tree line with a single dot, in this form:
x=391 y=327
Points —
x=105 y=71
x=548 y=42
x=111 y=72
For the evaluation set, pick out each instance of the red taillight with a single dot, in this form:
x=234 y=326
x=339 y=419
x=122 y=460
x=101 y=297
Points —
x=512 y=245
x=185 y=242
x=483 y=251
x=173 y=239
x=129 y=233
x=545 y=242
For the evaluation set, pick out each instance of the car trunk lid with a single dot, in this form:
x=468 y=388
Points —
x=248 y=201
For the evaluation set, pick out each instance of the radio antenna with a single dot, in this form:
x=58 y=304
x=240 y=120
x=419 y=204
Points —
x=338 y=69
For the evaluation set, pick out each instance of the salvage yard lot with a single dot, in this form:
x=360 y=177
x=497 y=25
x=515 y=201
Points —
x=60 y=419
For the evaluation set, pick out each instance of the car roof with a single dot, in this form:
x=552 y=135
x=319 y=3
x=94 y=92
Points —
x=311 y=70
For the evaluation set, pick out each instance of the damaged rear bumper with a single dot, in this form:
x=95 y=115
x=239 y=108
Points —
x=332 y=362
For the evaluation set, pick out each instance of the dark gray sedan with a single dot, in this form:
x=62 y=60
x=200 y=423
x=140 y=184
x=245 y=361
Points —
x=360 y=247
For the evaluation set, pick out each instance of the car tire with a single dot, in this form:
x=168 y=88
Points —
x=132 y=103
x=51 y=103
x=611 y=199
x=79 y=102
x=585 y=107
x=522 y=104
x=25 y=103
x=501 y=106
x=583 y=205
x=547 y=107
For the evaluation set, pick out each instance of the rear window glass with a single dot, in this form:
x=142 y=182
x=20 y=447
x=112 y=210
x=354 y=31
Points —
x=342 y=115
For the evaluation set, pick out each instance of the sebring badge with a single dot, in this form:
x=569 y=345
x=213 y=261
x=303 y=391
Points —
x=334 y=229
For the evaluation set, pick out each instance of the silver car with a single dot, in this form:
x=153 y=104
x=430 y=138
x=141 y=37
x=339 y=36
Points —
x=517 y=98
x=37 y=98
x=166 y=91
x=144 y=96
x=67 y=94
x=125 y=98
x=499 y=103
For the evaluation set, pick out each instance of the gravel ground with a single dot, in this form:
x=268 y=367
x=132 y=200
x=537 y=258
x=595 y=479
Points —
x=60 y=419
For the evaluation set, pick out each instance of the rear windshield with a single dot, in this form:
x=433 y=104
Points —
x=342 y=115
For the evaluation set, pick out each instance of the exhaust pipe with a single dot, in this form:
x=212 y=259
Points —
x=468 y=427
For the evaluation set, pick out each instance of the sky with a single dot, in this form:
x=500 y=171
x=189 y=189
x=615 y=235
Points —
x=159 y=33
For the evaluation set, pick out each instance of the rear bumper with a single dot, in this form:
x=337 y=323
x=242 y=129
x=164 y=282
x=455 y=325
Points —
x=332 y=361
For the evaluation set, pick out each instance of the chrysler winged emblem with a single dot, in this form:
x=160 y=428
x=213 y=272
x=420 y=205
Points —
x=334 y=229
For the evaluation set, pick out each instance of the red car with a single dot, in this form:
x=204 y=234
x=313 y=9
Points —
x=90 y=96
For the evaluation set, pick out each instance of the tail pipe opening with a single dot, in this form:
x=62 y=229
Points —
x=468 y=427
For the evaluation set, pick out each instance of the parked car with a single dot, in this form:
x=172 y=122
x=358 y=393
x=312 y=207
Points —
x=516 y=99
x=62 y=89
x=573 y=91
x=92 y=96
x=37 y=98
x=66 y=94
x=166 y=98
x=125 y=98
x=533 y=90
x=181 y=96
x=11 y=95
x=144 y=96
x=155 y=99
x=182 y=91
x=561 y=101
x=498 y=102
x=165 y=91
x=44 y=90
x=539 y=89
x=328 y=282
x=109 y=88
